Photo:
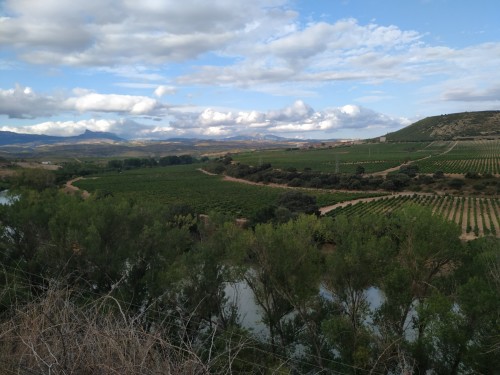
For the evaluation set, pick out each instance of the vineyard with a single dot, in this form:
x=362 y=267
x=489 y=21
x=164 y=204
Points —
x=467 y=156
x=374 y=157
x=455 y=157
x=476 y=217
x=186 y=185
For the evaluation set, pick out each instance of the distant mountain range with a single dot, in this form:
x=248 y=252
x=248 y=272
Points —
x=451 y=126
x=444 y=127
x=11 y=138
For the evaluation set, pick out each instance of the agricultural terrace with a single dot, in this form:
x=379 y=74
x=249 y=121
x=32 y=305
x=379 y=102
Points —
x=482 y=156
x=475 y=216
x=374 y=157
x=184 y=184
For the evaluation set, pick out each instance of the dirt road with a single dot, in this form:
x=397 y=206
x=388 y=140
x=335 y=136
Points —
x=70 y=188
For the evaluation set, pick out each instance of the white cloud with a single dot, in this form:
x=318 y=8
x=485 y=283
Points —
x=66 y=128
x=296 y=118
x=93 y=102
x=164 y=90
x=24 y=102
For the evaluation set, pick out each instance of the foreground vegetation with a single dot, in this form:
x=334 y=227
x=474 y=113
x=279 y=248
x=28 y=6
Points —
x=113 y=285
x=134 y=280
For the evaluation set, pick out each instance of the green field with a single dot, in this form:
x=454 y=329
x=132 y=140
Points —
x=374 y=157
x=186 y=185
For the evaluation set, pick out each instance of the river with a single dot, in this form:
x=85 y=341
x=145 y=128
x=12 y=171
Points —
x=4 y=198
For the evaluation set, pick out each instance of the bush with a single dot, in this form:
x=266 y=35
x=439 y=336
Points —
x=480 y=186
x=438 y=174
x=472 y=175
x=456 y=183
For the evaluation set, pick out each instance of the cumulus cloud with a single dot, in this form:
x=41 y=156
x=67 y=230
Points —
x=297 y=118
x=66 y=128
x=164 y=90
x=24 y=102
x=93 y=102
x=123 y=127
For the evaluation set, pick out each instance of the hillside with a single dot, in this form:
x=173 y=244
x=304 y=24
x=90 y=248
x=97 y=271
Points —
x=451 y=126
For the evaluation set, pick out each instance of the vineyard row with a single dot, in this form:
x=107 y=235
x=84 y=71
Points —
x=476 y=217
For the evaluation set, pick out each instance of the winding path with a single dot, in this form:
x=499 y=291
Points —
x=394 y=169
x=70 y=188
x=324 y=210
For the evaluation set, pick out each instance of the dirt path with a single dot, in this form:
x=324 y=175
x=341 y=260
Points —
x=468 y=212
x=450 y=208
x=494 y=217
x=325 y=209
x=480 y=219
x=449 y=149
x=70 y=188
x=280 y=186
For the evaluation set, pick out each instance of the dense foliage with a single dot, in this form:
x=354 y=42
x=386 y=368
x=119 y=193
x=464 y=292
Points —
x=378 y=294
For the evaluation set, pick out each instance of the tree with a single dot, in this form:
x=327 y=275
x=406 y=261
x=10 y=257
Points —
x=297 y=202
x=284 y=276
x=35 y=178
x=352 y=269
x=426 y=248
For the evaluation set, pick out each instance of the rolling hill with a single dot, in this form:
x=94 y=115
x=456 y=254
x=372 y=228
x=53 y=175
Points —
x=451 y=126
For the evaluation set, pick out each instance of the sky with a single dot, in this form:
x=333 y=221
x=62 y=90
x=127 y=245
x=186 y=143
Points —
x=315 y=69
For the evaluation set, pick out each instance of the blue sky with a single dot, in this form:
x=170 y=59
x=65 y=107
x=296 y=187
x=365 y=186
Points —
x=154 y=69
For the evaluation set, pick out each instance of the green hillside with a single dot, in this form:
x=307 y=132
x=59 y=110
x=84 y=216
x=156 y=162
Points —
x=451 y=126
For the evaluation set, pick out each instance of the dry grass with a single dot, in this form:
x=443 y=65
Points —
x=55 y=335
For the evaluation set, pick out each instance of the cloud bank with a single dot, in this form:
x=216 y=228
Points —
x=173 y=51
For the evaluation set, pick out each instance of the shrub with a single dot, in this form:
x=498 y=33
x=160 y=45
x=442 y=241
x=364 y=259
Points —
x=456 y=183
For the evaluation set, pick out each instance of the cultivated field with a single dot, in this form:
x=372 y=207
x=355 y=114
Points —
x=374 y=157
x=482 y=156
x=187 y=185
x=455 y=157
x=475 y=216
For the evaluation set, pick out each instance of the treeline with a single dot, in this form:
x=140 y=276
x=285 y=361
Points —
x=312 y=179
x=72 y=169
x=133 y=163
x=113 y=286
x=407 y=177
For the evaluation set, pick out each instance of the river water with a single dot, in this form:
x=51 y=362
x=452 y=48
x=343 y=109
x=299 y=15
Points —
x=4 y=198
